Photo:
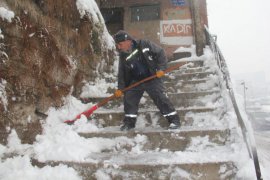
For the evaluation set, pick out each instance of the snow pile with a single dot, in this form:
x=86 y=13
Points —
x=3 y=94
x=20 y=167
x=97 y=89
x=90 y=8
x=6 y=14
x=1 y=35
x=61 y=142
x=3 y=54
x=191 y=49
x=208 y=57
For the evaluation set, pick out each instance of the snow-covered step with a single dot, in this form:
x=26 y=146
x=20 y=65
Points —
x=201 y=119
x=186 y=99
x=199 y=101
x=175 y=77
x=158 y=139
x=180 y=87
x=114 y=117
x=155 y=110
x=191 y=70
x=181 y=99
x=186 y=95
x=151 y=166
x=202 y=171
x=192 y=99
x=187 y=85
x=188 y=63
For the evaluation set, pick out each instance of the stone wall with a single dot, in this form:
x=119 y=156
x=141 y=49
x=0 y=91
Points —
x=51 y=50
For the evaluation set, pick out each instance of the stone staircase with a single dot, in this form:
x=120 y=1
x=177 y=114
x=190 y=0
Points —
x=150 y=151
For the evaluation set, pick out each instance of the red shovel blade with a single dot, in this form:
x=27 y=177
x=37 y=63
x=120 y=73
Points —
x=87 y=113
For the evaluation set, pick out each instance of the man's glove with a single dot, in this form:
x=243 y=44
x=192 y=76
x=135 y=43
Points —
x=160 y=74
x=118 y=93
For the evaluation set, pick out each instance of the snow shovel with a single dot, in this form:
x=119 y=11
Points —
x=90 y=111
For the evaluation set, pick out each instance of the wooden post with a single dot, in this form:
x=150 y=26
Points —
x=198 y=29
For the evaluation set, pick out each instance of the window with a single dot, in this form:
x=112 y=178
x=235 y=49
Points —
x=112 y=15
x=145 y=13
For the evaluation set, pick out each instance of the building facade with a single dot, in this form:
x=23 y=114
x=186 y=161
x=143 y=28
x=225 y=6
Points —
x=169 y=23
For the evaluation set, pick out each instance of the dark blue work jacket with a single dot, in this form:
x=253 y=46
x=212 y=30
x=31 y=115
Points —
x=145 y=60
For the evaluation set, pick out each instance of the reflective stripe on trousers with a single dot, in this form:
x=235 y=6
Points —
x=131 y=115
x=170 y=114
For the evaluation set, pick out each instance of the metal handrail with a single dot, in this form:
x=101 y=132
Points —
x=251 y=146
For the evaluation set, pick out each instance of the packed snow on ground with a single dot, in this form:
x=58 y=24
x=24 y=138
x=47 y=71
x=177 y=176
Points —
x=6 y=14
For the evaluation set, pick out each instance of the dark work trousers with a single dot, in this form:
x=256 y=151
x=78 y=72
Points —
x=155 y=89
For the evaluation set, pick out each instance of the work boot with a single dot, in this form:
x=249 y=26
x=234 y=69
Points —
x=174 y=122
x=129 y=123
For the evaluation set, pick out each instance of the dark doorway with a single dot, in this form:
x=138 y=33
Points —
x=114 y=19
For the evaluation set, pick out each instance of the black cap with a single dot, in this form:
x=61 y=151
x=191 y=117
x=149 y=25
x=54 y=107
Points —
x=121 y=36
